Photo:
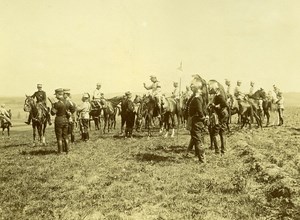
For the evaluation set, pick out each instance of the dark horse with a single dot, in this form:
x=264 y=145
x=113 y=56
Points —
x=95 y=114
x=215 y=126
x=39 y=118
x=110 y=109
x=146 y=110
x=5 y=124
x=264 y=103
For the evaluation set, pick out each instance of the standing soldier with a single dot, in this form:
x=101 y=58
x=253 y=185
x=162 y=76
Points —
x=41 y=97
x=197 y=119
x=280 y=107
x=156 y=91
x=130 y=115
x=71 y=117
x=61 y=109
x=84 y=117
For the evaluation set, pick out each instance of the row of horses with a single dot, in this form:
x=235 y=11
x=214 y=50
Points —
x=173 y=111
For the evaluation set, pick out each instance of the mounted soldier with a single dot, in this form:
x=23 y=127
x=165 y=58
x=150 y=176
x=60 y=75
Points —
x=97 y=96
x=41 y=99
x=155 y=92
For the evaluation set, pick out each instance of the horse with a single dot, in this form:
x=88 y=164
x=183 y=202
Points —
x=4 y=124
x=169 y=111
x=95 y=114
x=147 y=110
x=110 y=109
x=266 y=103
x=39 y=118
x=215 y=84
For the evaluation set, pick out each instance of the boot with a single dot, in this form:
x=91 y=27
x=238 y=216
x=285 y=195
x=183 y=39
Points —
x=223 y=143
x=190 y=147
x=66 y=145
x=200 y=152
x=59 y=147
x=72 y=138
x=87 y=137
x=215 y=141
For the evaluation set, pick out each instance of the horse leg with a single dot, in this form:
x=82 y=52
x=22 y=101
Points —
x=174 y=125
x=34 y=136
x=223 y=141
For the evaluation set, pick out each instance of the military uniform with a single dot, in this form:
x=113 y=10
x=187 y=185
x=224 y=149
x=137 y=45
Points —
x=130 y=115
x=155 y=91
x=280 y=107
x=84 y=117
x=71 y=115
x=60 y=109
x=5 y=115
x=196 y=117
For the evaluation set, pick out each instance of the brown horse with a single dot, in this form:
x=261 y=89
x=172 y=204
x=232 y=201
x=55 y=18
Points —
x=147 y=109
x=39 y=118
x=110 y=109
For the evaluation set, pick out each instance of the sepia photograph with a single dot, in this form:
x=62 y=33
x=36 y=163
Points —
x=150 y=110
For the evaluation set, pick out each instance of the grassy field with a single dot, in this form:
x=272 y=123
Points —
x=114 y=178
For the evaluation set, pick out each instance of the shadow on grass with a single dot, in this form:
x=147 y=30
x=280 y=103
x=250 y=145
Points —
x=38 y=152
x=153 y=157
x=178 y=149
x=15 y=145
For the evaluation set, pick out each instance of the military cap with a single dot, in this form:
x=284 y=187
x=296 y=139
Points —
x=60 y=90
x=128 y=93
x=239 y=81
x=152 y=76
x=67 y=91
x=39 y=85
x=98 y=84
x=85 y=95
x=227 y=80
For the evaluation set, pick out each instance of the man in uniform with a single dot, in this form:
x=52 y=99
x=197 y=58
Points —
x=197 y=119
x=276 y=90
x=41 y=98
x=251 y=90
x=156 y=91
x=84 y=116
x=71 y=116
x=238 y=91
x=175 y=93
x=130 y=115
x=61 y=109
x=230 y=99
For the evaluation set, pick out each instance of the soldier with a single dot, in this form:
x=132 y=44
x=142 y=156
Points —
x=62 y=110
x=71 y=116
x=156 y=91
x=188 y=93
x=220 y=107
x=251 y=90
x=280 y=107
x=238 y=91
x=5 y=114
x=130 y=115
x=84 y=117
x=41 y=97
x=197 y=119
x=276 y=90
x=230 y=99
x=97 y=96
x=175 y=93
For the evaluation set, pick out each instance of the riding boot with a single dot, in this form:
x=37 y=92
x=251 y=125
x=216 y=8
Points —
x=217 y=151
x=87 y=136
x=82 y=136
x=66 y=145
x=200 y=152
x=190 y=147
x=59 y=146
x=72 y=138
x=223 y=143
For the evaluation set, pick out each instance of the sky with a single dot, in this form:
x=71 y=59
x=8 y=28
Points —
x=120 y=43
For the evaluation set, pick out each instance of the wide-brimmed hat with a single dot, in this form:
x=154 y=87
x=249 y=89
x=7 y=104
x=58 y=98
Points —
x=60 y=90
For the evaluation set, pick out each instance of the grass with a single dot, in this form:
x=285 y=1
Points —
x=113 y=178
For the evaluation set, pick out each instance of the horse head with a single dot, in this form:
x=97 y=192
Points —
x=137 y=99
x=29 y=103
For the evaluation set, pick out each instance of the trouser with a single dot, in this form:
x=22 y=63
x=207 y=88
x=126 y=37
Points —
x=84 y=127
x=280 y=114
x=129 y=124
x=197 y=138
x=61 y=132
